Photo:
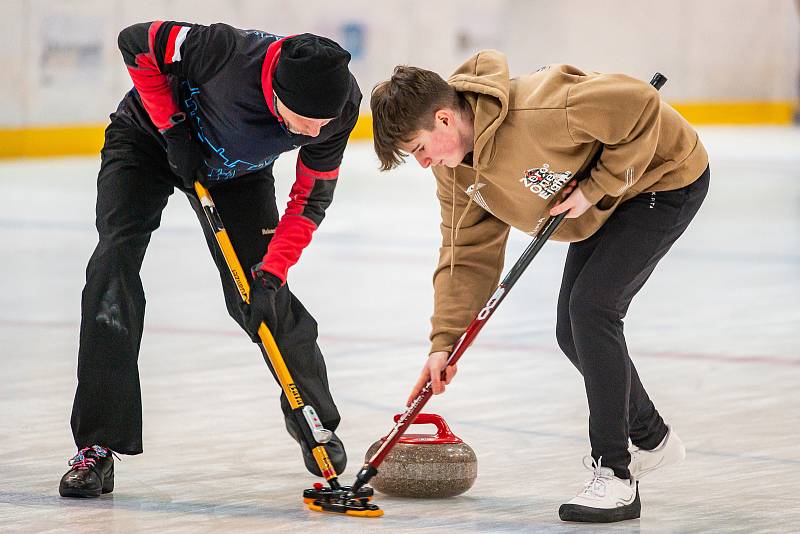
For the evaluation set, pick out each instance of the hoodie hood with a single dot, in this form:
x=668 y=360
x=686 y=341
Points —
x=484 y=82
x=534 y=133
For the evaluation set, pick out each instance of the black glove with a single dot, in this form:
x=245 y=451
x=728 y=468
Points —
x=263 y=293
x=184 y=153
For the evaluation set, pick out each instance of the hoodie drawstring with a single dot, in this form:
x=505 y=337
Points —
x=454 y=229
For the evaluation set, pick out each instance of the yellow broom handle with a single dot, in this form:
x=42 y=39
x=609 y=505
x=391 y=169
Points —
x=240 y=278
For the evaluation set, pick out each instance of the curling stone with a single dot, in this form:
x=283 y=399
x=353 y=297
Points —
x=426 y=465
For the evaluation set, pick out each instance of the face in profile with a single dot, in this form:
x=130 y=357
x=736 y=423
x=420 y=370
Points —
x=297 y=124
x=443 y=145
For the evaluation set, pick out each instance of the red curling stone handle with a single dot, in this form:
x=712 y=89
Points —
x=443 y=432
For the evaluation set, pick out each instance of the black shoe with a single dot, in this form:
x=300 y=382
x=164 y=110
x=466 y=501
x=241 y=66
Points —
x=336 y=453
x=335 y=447
x=92 y=473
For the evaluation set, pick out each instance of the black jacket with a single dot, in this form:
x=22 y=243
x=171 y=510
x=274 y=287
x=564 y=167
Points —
x=221 y=77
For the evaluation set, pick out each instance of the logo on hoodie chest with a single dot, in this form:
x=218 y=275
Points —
x=543 y=182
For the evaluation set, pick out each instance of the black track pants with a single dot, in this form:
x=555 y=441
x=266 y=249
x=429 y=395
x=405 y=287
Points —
x=133 y=186
x=602 y=274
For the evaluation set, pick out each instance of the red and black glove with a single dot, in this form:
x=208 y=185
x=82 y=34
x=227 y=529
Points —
x=184 y=153
x=262 y=308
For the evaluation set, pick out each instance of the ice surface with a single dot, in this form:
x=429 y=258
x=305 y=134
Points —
x=715 y=335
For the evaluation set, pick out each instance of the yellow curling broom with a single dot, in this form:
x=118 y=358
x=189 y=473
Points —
x=334 y=498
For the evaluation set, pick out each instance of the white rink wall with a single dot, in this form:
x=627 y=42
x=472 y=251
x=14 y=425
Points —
x=61 y=65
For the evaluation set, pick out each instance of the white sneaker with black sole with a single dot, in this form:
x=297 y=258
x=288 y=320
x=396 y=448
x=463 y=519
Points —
x=604 y=498
x=669 y=452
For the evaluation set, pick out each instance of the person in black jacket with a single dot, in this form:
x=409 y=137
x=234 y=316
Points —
x=218 y=105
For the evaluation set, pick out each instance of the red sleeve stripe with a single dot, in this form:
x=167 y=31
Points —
x=301 y=189
x=151 y=43
x=155 y=92
x=294 y=230
x=176 y=37
x=153 y=86
x=306 y=171
x=292 y=235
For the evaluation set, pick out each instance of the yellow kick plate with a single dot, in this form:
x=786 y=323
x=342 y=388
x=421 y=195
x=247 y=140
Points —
x=355 y=513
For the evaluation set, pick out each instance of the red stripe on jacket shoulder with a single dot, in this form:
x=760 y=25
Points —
x=151 y=43
x=152 y=85
x=170 y=50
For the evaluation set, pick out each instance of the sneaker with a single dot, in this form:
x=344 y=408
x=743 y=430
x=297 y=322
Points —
x=91 y=474
x=670 y=451
x=604 y=499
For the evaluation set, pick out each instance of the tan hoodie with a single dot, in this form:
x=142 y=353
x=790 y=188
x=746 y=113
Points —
x=532 y=135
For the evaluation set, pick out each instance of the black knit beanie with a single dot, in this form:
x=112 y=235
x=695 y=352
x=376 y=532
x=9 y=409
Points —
x=312 y=78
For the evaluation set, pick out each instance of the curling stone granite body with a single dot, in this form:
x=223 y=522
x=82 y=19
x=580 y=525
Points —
x=426 y=465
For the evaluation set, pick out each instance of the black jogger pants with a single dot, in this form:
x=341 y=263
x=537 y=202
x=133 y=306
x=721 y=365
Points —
x=133 y=186
x=602 y=274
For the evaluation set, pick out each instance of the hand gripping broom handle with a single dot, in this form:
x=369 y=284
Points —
x=311 y=428
x=370 y=468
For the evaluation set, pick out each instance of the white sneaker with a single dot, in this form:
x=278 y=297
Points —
x=670 y=451
x=604 y=499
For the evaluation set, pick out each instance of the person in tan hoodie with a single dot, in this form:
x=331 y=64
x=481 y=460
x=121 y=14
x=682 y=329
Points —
x=510 y=152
